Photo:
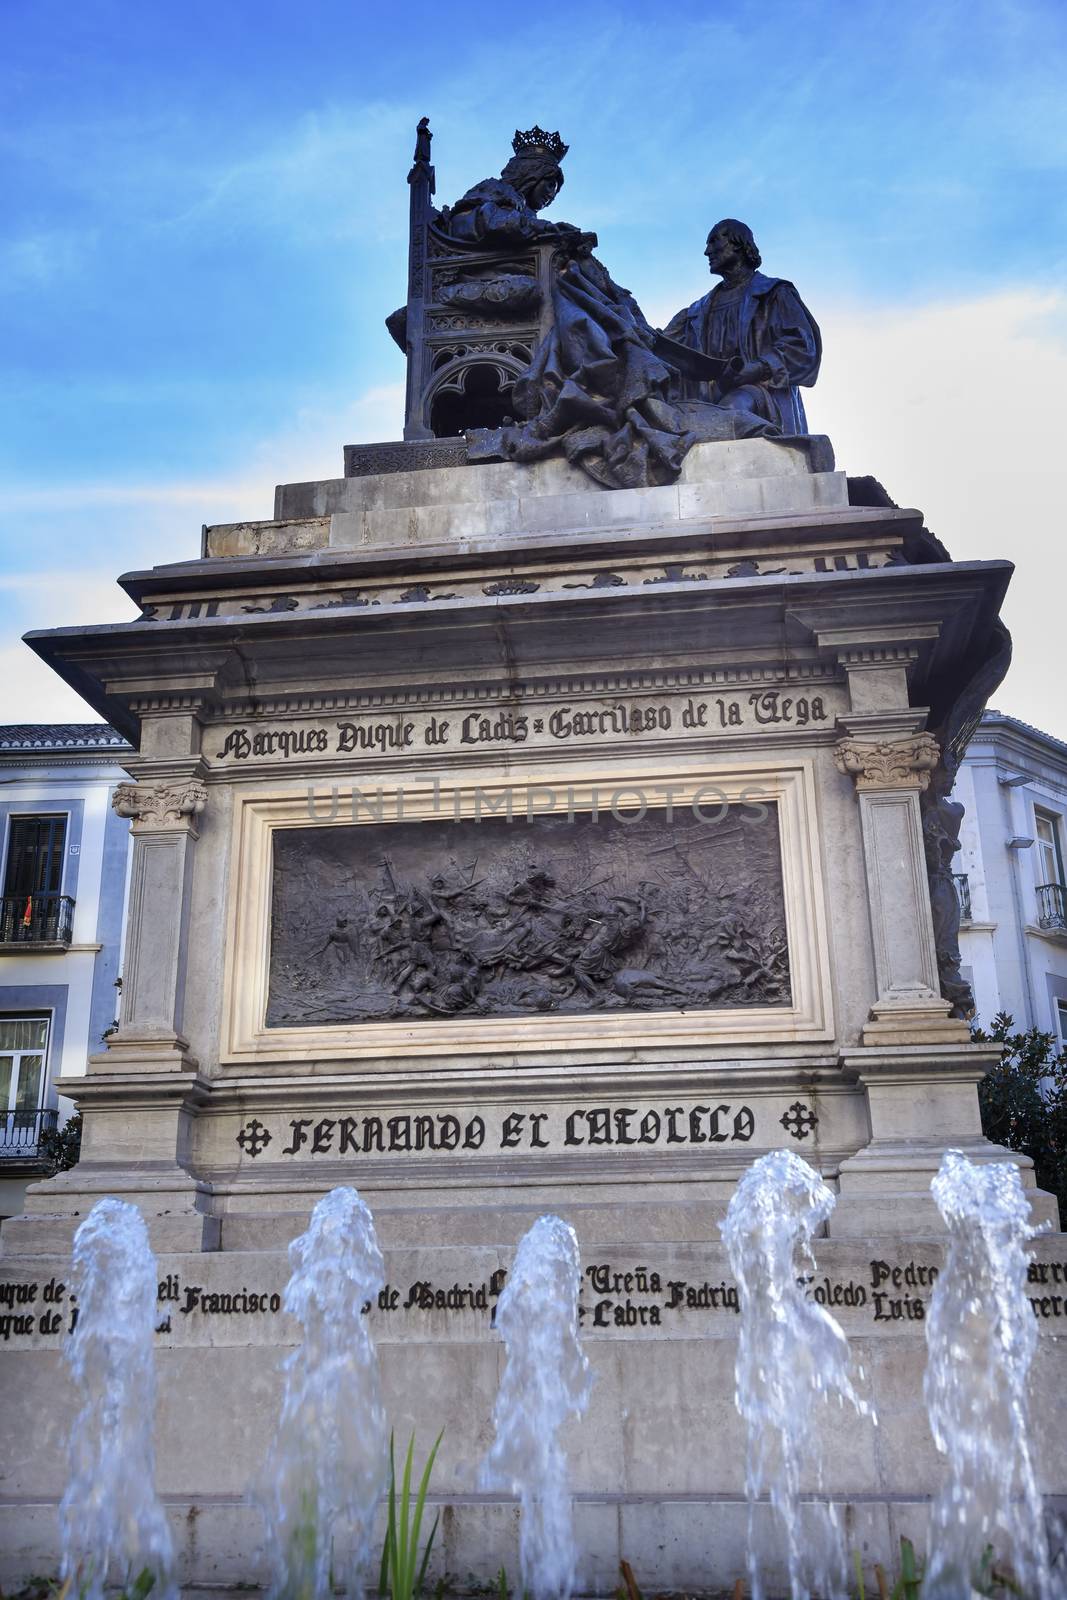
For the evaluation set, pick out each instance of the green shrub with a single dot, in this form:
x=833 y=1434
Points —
x=61 y=1147
x=1024 y=1101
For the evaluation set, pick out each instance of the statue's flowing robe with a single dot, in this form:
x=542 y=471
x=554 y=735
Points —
x=773 y=325
x=493 y=212
x=595 y=390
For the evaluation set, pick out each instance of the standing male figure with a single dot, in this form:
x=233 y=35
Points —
x=758 y=326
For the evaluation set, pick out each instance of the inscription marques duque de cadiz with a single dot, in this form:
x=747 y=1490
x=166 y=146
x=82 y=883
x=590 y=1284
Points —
x=751 y=710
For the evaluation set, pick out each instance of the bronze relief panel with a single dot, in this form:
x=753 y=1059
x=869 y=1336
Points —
x=485 y=917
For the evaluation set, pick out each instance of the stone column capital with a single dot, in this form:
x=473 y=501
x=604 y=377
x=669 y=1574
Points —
x=888 y=763
x=161 y=807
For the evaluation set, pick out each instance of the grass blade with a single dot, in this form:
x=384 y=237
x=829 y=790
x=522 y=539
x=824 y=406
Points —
x=426 y=1555
x=407 y=1565
x=424 y=1484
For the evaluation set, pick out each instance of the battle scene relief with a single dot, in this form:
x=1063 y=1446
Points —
x=487 y=918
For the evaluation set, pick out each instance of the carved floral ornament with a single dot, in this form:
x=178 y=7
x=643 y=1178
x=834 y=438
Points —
x=889 y=763
x=160 y=805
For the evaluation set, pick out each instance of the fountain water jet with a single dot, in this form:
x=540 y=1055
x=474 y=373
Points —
x=110 y=1513
x=791 y=1353
x=546 y=1380
x=327 y=1464
x=981 y=1334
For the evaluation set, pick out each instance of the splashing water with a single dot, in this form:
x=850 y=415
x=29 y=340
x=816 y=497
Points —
x=981 y=1334
x=110 y=1513
x=790 y=1354
x=327 y=1464
x=546 y=1380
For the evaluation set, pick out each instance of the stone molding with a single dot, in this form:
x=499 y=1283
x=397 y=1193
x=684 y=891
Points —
x=888 y=763
x=155 y=807
x=384 y=1046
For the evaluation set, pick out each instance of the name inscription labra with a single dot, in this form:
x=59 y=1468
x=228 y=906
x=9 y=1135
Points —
x=490 y=917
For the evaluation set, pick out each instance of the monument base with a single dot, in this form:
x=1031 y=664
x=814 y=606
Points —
x=657 y=1465
x=442 y=868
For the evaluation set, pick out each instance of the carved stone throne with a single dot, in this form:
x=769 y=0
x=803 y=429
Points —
x=472 y=321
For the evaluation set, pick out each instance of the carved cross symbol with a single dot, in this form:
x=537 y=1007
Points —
x=799 y=1120
x=253 y=1138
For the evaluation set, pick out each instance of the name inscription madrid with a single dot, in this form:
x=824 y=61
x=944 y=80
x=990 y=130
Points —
x=684 y=1294
x=749 y=710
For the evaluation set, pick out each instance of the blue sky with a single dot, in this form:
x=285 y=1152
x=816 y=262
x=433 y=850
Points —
x=203 y=225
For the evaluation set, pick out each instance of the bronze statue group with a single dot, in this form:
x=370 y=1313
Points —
x=619 y=399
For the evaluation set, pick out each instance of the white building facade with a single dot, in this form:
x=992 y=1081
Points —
x=1010 y=873
x=63 y=872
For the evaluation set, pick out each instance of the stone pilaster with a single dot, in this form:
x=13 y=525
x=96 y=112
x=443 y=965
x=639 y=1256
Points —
x=889 y=776
x=916 y=1064
x=164 y=815
x=139 y=1097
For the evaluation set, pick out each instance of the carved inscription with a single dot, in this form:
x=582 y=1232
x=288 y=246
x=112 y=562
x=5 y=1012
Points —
x=560 y=1129
x=568 y=914
x=752 y=710
x=675 y=1292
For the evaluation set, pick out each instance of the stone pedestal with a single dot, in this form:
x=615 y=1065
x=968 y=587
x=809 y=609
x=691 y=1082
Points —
x=506 y=845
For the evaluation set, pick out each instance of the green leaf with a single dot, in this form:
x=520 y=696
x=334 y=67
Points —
x=426 y=1555
x=908 y=1573
x=402 y=1574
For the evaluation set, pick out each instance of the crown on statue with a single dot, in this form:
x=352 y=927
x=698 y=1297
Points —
x=536 y=138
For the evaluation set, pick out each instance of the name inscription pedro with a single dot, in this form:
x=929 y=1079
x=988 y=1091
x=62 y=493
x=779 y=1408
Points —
x=874 y=1294
x=751 y=710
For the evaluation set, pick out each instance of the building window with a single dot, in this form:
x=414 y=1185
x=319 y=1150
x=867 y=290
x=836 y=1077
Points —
x=1051 y=893
x=34 y=909
x=23 y=1084
x=35 y=851
x=1061 y=1022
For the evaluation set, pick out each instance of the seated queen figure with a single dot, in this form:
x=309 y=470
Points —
x=504 y=210
x=596 y=390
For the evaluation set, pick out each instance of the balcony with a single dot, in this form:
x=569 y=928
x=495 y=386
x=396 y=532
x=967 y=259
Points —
x=963 y=894
x=21 y=1133
x=1052 y=907
x=35 y=922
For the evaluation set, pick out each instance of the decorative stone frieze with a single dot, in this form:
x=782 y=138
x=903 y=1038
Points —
x=156 y=806
x=889 y=763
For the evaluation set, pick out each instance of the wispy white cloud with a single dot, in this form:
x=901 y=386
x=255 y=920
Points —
x=958 y=409
x=29 y=690
x=297 y=174
x=955 y=406
x=39 y=259
x=308 y=446
x=146 y=524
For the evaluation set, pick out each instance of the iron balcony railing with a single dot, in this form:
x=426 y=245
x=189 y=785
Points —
x=36 y=919
x=963 y=894
x=21 y=1133
x=1052 y=905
